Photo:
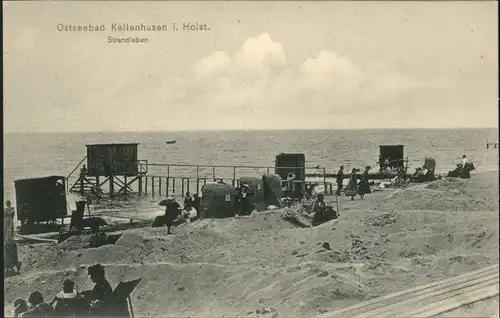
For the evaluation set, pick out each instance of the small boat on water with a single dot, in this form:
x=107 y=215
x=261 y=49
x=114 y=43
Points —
x=170 y=142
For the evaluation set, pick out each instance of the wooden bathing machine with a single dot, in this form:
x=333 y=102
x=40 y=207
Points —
x=295 y=163
x=266 y=191
x=112 y=159
x=392 y=153
x=40 y=199
x=218 y=201
x=256 y=187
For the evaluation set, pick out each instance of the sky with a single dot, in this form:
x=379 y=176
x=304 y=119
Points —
x=261 y=65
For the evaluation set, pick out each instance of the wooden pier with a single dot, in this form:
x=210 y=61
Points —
x=115 y=169
x=428 y=300
x=177 y=179
x=178 y=184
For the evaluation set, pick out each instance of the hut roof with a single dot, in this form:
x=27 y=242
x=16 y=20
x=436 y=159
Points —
x=217 y=188
x=114 y=144
x=40 y=179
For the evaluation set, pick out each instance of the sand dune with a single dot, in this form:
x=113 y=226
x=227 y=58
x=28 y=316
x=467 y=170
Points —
x=261 y=264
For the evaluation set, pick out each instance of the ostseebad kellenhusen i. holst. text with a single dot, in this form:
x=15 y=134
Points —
x=132 y=27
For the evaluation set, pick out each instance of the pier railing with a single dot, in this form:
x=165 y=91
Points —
x=178 y=186
x=174 y=179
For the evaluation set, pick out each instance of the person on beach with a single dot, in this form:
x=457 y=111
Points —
x=352 y=187
x=38 y=307
x=20 y=306
x=196 y=204
x=464 y=160
x=319 y=205
x=64 y=300
x=8 y=225
x=172 y=211
x=101 y=295
x=364 y=183
x=188 y=201
x=83 y=172
x=322 y=212
x=340 y=180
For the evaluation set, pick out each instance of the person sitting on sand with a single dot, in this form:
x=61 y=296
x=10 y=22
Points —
x=63 y=299
x=38 y=307
x=464 y=160
x=418 y=175
x=101 y=295
x=319 y=204
x=364 y=183
x=352 y=187
x=20 y=306
x=196 y=204
x=322 y=212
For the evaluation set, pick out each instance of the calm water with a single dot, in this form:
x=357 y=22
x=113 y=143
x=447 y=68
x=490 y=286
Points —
x=36 y=155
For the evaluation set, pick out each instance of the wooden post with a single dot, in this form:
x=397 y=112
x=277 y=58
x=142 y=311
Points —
x=82 y=189
x=97 y=183
x=182 y=186
x=197 y=179
x=146 y=185
x=331 y=189
x=159 y=186
x=204 y=181
x=188 y=185
x=213 y=172
x=167 y=186
x=168 y=181
x=324 y=181
x=126 y=186
x=140 y=186
x=153 y=186
x=234 y=175
x=268 y=170
x=111 y=185
x=173 y=185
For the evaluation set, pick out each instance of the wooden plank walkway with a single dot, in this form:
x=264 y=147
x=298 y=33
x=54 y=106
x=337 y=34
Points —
x=431 y=299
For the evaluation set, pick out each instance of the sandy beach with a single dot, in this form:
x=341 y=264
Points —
x=261 y=264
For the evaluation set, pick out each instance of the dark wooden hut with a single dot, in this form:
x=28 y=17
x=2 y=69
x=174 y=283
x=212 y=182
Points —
x=40 y=199
x=112 y=159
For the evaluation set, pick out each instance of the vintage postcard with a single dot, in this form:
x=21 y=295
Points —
x=251 y=158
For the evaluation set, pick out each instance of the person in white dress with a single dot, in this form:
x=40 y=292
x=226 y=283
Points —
x=8 y=225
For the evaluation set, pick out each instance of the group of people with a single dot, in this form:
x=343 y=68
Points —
x=353 y=187
x=100 y=301
x=173 y=211
x=463 y=169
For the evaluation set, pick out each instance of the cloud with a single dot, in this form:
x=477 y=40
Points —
x=257 y=84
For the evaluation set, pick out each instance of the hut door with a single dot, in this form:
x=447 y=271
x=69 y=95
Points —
x=111 y=159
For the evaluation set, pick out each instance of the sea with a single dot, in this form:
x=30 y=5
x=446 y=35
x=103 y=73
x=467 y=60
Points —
x=33 y=155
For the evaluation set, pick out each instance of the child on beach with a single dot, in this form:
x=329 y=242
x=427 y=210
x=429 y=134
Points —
x=66 y=299
x=38 y=307
x=20 y=306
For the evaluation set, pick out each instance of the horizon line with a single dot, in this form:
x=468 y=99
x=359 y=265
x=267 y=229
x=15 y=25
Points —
x=242 y=129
